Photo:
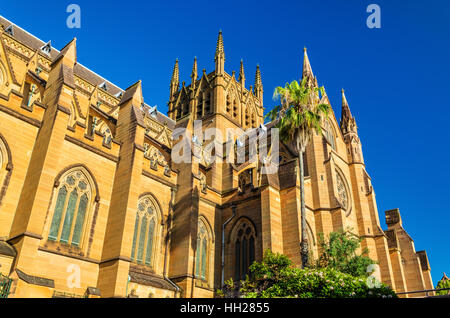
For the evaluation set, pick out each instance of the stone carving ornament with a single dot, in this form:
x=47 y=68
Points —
x=342 y=194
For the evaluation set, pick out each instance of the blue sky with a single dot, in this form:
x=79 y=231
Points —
x=396 y=77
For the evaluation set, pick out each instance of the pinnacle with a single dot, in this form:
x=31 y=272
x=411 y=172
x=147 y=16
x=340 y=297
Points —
x=307 y=70
x=194 y=69
x=219 y=47
x=258 y=80
x=176 y=72
x=241 y=71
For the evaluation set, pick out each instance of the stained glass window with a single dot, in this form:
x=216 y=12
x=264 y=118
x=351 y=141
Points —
x=342 y=191
x=136 y=227
x=148 y=254
x=145 y=229
x=329 y=135
x=56 y=222
x=142 y=235
x=80 y=220
x=71 y=208
x=244 y=250
x=237 y=264
x=202 y=252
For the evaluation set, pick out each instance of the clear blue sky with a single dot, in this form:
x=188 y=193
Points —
x=396 y=77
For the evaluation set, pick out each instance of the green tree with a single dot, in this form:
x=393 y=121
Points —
x=339 y=251
x=299 y=116
x=443 y=283
x=275 y=276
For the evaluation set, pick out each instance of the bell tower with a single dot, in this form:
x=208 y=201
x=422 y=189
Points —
x=219 y=99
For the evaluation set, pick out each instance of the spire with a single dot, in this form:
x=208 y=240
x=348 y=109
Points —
x=175 y=81
x=345 y=108
x=258 y=84
x=324 y=99
x=219 y=48
x=242 y=74
x=194 y=71
x=307 y=70
x=220 y=55
x=347 y=120
x=176 y=73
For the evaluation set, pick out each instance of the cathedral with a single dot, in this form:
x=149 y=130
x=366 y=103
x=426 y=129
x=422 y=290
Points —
x=92 y=203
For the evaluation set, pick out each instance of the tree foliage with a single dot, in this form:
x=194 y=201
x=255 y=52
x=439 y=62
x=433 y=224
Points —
x=276 y=276
x=299 y=116
x=300 y=113
x=339 y=252
x=443 y=283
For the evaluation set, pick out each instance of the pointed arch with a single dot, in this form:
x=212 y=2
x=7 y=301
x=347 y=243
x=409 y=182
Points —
x=203 y=84
x=106 y=131
x=243 y=247
x=74 y=207
x=7 y=66
x=203 y=255
x=329 y=133
x=147 y=231
x=6 y=166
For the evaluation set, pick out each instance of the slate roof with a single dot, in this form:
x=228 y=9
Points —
x=35 y=43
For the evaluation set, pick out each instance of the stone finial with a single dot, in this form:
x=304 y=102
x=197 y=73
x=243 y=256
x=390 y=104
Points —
x=242 y=74
x=175 y=73
x=219 y=58
x=348 y=123
x=219 y=47
x=258 y=80
x=194 y=70
x=258 y=84
x=307 y=69
x=175 y=80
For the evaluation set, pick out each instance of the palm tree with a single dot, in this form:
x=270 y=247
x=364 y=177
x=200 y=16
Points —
x=298 y=117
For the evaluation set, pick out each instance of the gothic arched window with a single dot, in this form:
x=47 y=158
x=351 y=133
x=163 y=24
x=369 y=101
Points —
x=342 y=192
x=145 y=232
x=201 y=261
x=329 y=134
x=244 y=250
x=200 y=105
x=208 y=102
x=73 y=201
x=228 y=107
x=235 y=108
x=245 y=179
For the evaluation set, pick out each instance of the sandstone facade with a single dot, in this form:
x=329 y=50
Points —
x=92 y=204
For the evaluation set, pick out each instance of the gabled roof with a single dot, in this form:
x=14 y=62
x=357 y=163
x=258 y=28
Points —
x=79 y=70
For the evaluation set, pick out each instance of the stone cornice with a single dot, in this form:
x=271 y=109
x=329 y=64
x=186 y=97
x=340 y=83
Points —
x=15 y=114
x=92 y=149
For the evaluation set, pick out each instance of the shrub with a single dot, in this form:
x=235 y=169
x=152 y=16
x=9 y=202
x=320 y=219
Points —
x=275 y=276
x=339 y=252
